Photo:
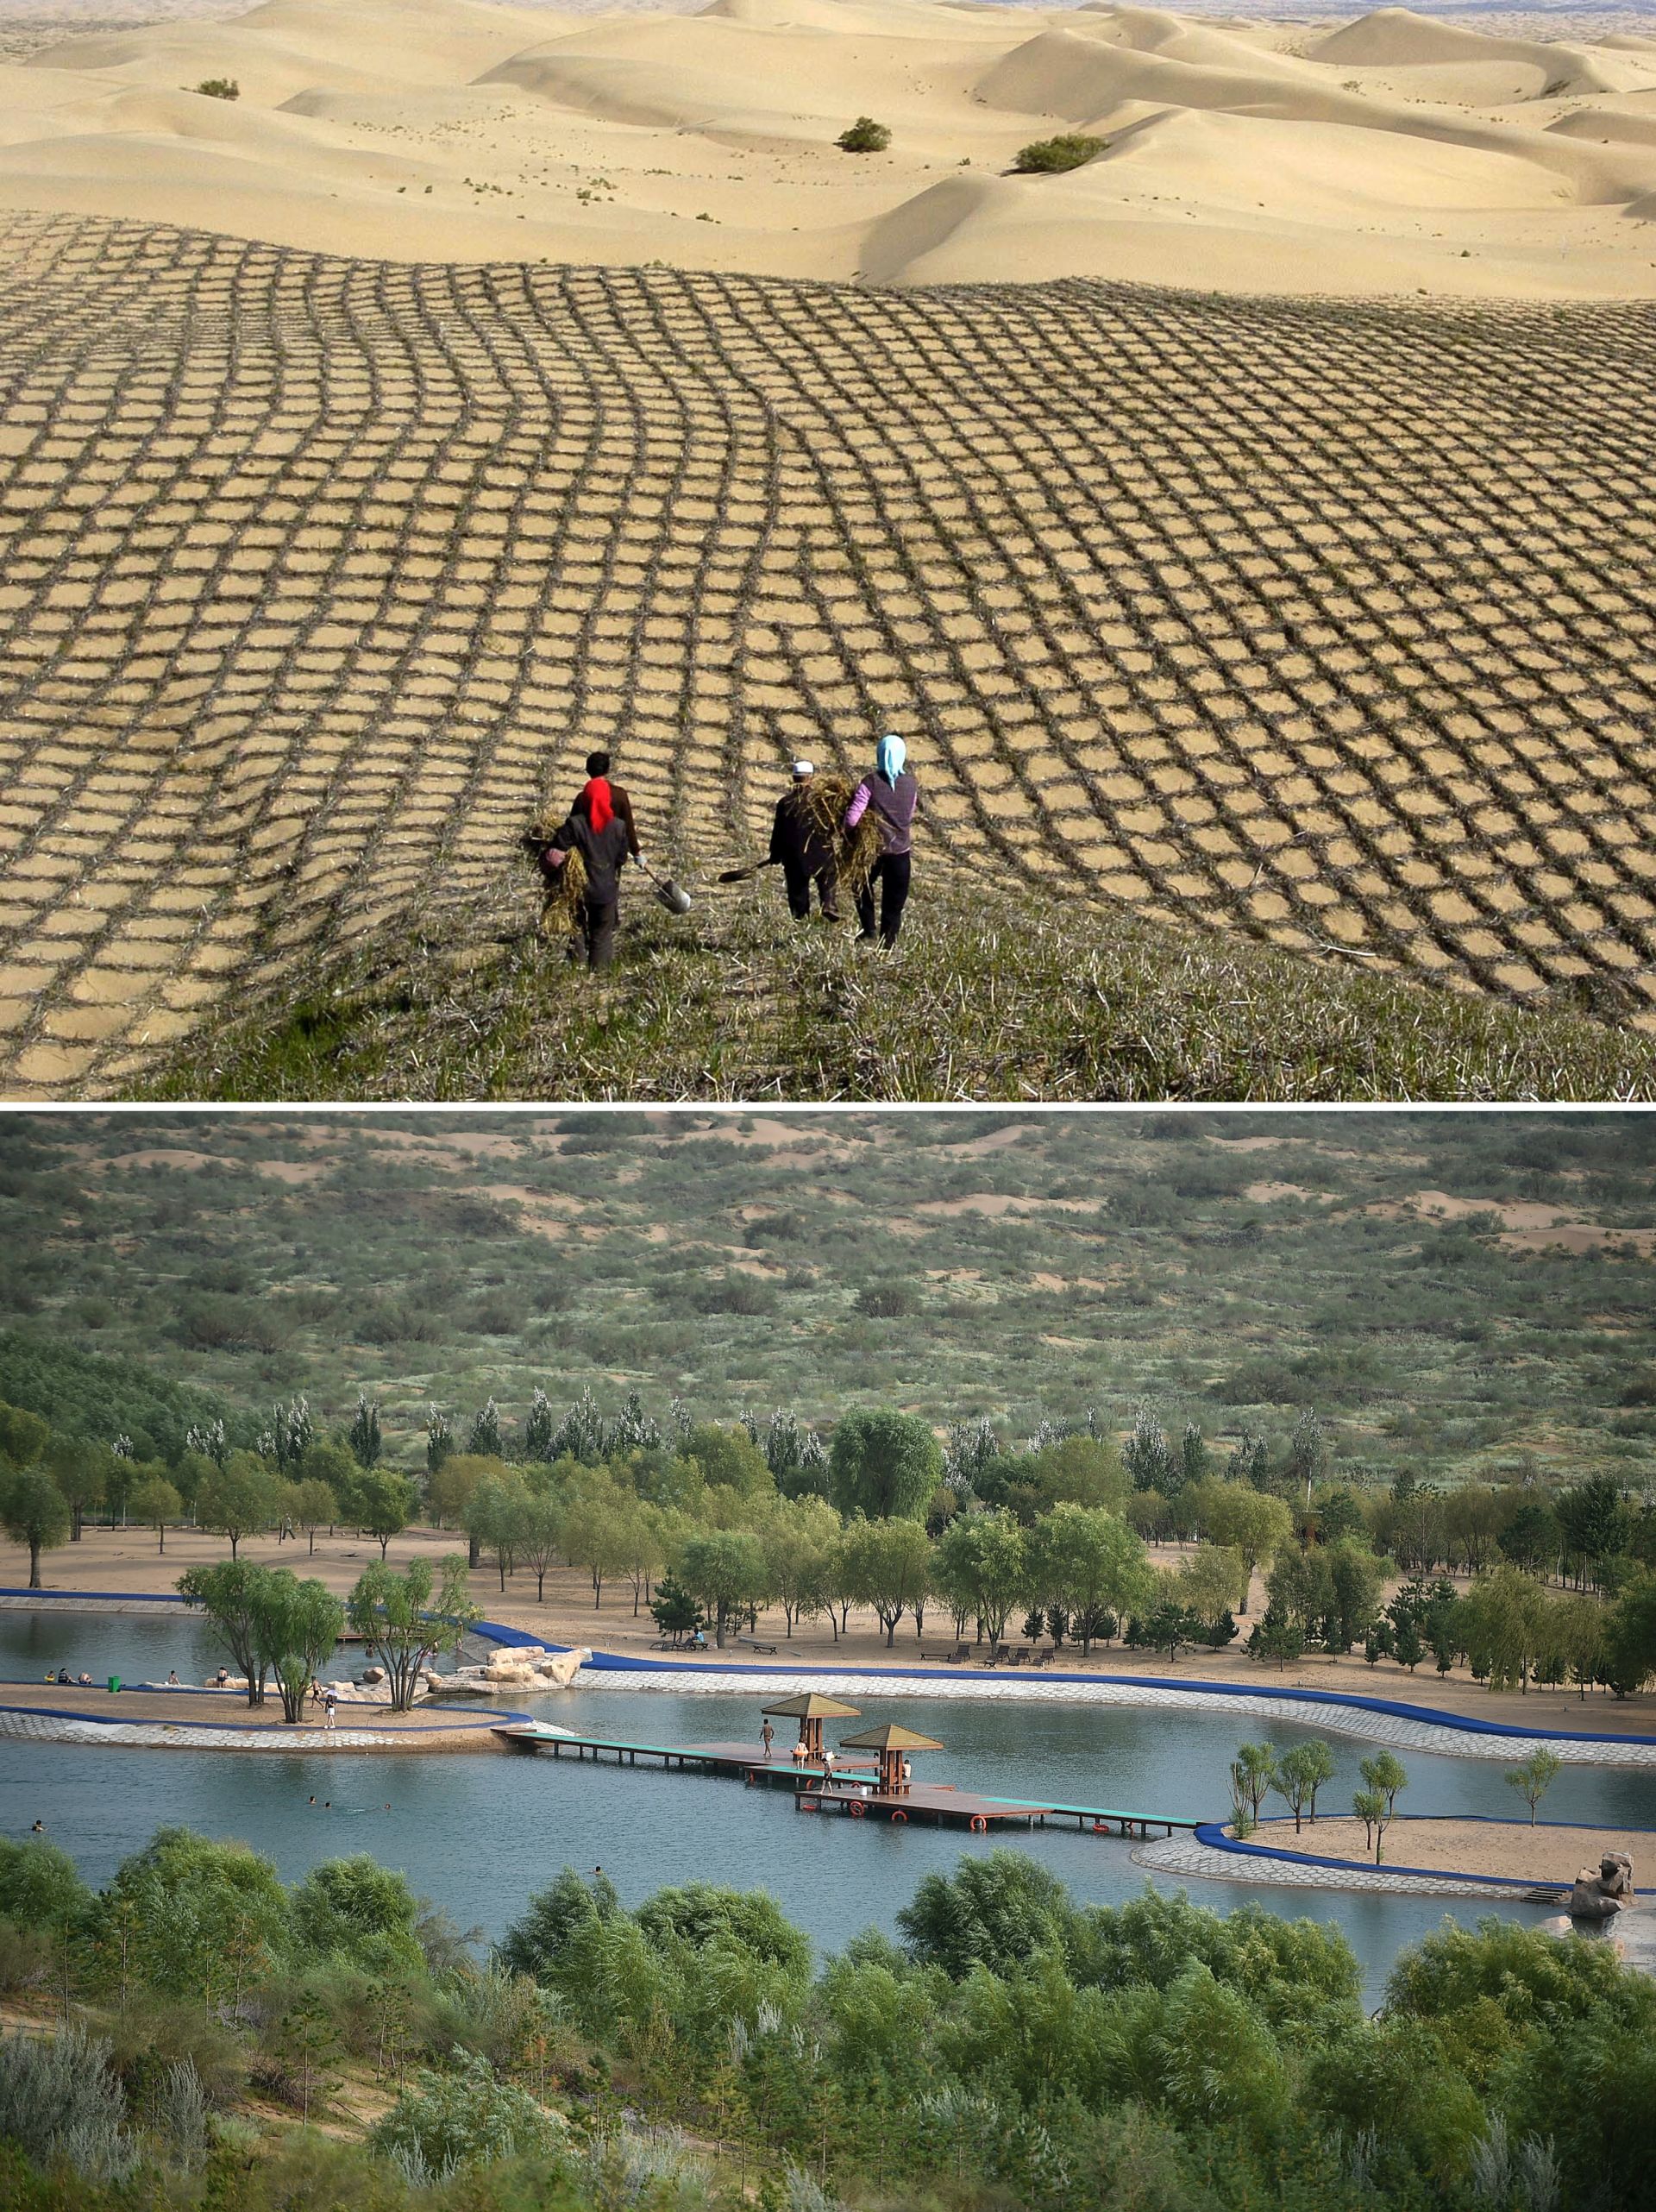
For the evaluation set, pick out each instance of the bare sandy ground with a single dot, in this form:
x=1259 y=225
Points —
x=1396 y=153
x=409 y=1731
x=1542 y=1854
x=106 y=1561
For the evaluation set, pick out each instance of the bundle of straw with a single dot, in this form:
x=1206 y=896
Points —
x=824 y=801
x=563 y=888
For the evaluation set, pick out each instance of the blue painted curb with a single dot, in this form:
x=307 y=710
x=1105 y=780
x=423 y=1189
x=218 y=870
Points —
x=1213 y=1835
x=615 y=1663
x=73 y=1598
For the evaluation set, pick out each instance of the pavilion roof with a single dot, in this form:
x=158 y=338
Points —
x=888 y=1736
x=812 y=1705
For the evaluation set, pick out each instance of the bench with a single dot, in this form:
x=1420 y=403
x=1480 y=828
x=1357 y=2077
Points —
x=752 y=1646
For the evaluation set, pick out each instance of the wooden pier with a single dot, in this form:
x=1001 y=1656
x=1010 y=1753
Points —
x=843 y=1789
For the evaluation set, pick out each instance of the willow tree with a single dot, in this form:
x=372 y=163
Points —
x=409 y=1619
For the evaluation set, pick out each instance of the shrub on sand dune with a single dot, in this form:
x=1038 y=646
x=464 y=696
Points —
x=864 y=136
x=1048 y=156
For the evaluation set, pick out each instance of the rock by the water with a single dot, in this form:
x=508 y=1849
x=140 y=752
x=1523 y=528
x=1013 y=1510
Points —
x=1599 y=1896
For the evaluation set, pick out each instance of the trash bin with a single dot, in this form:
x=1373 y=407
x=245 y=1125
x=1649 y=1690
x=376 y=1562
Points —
x=115 y=1684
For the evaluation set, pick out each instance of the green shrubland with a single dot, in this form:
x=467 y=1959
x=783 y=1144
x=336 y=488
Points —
x=1012 y=2048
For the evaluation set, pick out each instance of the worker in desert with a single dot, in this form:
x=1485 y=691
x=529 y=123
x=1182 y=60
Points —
x=600 y=828
x=890 y=797
x=802 y=846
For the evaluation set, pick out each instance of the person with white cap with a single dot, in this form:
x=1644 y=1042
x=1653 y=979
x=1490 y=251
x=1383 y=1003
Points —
x=802 y=846
x=894 y=797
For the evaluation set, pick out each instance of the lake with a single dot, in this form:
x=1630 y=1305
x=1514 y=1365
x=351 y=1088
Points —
x=477 y=1834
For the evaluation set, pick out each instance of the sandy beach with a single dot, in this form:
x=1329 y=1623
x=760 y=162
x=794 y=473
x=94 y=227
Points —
x=1395 y=153
x=1542 y=1855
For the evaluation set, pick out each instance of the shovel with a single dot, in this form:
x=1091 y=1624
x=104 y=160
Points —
x=743 y=875
x=675 y=900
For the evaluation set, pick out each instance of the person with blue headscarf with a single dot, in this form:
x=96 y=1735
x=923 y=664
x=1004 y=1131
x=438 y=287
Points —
x=892 y=796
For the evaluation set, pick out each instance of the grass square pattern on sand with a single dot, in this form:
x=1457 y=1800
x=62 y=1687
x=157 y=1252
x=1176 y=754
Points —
x=1335 y=625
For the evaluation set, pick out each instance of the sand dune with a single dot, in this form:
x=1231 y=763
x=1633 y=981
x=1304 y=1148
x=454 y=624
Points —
x=1397 y=152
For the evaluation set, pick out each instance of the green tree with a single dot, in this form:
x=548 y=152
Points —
x=33 y=1512
x=364 y=1437
x=999 y=1912
x=1356 y=1577
x=983 y=1568
x=799 y=1536
x=1532 y=1777
x=298 y=1625
x=155 y=1502
x=198 y=1920
x=675 y=1612
x=724 y=1571
x=316 y=1506
x=540 y=1531
x=78 y=1469
x=23 y=1438
x=1501 y=1625
x=383 y=1504
x=1371 y=1809
x=1210 y=1581
x=890 y=1568
x=884 y=1464
x=1386 y=1773
x=493 y=1518
x=410 y=1619
x=236 y=1500
x=232 y=1595
x=595 y=1527
x=1300 y=1773
x=360 y=1912
x=1090 y=1562
x=1253 y=1772
x=727 y=1458
x=1244 y=1520
x=537 y=1944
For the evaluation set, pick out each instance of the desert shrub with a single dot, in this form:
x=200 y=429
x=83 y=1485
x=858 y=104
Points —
x=864 y=136
x=1046 y=157
x=151 y=2042
x=890 y=1301
x=465 y=2118
x=58 y=2099
x=26 y=1956
x=39 y=1886
x=218 y=88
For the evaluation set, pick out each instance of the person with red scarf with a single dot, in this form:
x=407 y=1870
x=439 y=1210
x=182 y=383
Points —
x=600 y=828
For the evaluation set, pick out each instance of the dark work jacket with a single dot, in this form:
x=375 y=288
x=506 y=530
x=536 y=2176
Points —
x=605 y=853
x=622 y=805
x=797 y=841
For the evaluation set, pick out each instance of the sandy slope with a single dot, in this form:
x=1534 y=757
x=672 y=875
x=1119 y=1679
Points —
x=1392 y=154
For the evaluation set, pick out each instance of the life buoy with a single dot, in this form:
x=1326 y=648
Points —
x=809 y=1805
x=1100 y=1829
x=980 y=1825
x=900 y=1815
x=857 y=1810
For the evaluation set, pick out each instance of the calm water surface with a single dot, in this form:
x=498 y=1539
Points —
x=477 y=1833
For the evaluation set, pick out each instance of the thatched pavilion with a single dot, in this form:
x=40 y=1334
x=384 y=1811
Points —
x=811 y=1710
x=892 y=1743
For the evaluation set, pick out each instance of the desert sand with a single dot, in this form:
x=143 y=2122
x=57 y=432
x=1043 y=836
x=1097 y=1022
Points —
x=1394 y=154
x=1542 y=1854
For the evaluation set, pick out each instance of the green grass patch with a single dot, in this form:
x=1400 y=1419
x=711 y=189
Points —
x=987 y=997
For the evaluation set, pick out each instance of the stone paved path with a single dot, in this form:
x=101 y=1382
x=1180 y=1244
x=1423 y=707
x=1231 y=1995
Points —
x=1395 y=1730
x=1332 y=623
x=51 y=1728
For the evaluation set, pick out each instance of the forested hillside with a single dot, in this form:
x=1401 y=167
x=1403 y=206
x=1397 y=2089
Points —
x=1456 y=1295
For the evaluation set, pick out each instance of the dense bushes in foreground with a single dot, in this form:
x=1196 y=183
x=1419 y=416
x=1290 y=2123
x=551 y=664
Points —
x=1013 y=2050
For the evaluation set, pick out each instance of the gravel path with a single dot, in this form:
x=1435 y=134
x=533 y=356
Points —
x=1395 y=1730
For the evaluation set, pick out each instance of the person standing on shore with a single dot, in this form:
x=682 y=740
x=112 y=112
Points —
x=802 y=846
x=892 y=796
